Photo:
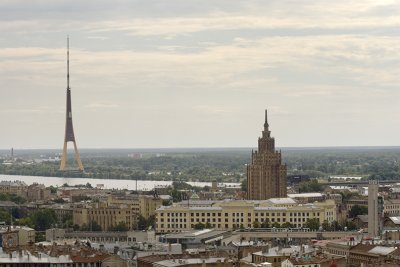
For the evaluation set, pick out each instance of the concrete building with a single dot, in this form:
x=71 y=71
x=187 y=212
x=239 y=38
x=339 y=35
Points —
x=37 y=192
x=196 y=238
x=228 y=215
x=277 y=255
x=110 y=213
x=315 y=261
x=45 y=255
x=13 y=187
x=266 y=176
x=373 y=219
x=128 y=237
x=26 y=235
x=363 y=254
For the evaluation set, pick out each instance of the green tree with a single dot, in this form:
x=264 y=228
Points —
x=358 y=210
x=287 y=225
x=27 y=221
x=53 y=189
x=243 y=185
x=43 y=219
x=335 y=226
x=310 y=186
x=256 y=224
x=121 y=227
x=199 y=226
x=176 y=195
x=166 y=202
x=276 y=225
x=265 y=224
x=313 y=224
x=326 y=226
x=351 y=226
x=141 y=223
x=208 y=225
x=5 y=216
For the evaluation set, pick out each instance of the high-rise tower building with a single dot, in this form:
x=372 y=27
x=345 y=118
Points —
x=266 y=176
x=69 y=129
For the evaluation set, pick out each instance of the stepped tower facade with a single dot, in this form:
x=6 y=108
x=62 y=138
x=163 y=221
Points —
x=266 y=175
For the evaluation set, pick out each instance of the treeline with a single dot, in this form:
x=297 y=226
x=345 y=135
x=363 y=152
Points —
x=228 y=166
x=369 y=163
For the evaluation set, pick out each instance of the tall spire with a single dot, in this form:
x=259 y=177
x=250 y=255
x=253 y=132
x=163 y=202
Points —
x=266 y=125
x=68 y=88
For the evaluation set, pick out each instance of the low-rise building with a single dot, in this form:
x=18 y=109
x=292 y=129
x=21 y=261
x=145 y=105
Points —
x=277 y=255
x=376 y=255
x=26 y=235
x=315 y=261
x=124 y=237
x=196 y=238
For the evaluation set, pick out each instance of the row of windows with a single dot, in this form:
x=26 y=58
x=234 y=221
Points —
x=106 y=212
x=208 y=214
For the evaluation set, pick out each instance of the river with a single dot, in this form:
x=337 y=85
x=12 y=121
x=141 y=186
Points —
x=143 y=185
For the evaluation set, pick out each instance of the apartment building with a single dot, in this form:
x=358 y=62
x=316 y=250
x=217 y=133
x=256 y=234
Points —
x=113 y=211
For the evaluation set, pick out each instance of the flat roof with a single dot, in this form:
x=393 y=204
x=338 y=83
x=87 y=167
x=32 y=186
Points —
x=284 y=200
x=305 y=195
x=201 y=234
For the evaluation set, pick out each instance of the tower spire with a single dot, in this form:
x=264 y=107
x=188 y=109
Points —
x=69 y=129
x=266 y=125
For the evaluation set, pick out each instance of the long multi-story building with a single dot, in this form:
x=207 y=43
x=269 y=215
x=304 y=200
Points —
x=266 y=175
x=110 y=213
x=228 y=215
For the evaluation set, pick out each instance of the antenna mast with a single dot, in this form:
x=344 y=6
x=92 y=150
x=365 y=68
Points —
x=68 y=62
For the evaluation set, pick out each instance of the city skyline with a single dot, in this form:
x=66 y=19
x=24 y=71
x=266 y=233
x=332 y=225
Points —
x=151 y=74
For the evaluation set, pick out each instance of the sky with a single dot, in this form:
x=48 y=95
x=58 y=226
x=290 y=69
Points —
x=200 y=73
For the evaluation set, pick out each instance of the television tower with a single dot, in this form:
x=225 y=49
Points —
x=69 y=129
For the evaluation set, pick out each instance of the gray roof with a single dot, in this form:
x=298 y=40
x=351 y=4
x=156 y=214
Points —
x=382 y=250
x=395 y=219
x=200 y=234
x=363 y=218
x=282 y=201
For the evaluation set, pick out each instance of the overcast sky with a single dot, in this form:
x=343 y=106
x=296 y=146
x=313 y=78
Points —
x=199 y=73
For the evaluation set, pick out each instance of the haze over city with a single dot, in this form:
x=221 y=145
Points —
x=200 y=73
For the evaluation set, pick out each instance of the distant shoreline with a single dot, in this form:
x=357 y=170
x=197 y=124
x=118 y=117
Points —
x=201 y=149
